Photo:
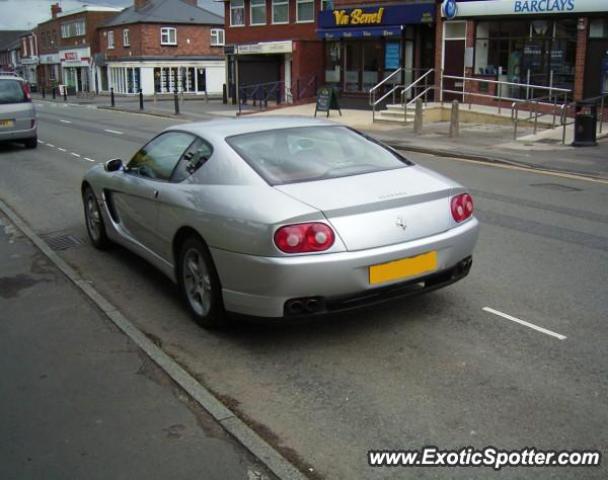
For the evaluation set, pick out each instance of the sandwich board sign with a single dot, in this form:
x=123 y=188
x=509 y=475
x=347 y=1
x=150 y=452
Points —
x=327 y=99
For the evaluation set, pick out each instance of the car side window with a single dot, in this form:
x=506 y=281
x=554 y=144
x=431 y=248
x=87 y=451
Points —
x=194 y=158
x=158 y=158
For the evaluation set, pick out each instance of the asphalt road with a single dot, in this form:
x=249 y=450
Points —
x=431 y=370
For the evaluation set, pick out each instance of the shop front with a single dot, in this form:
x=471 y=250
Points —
x=527 y=42
x=365 y=45
x=194 y=77
x=49 y=70
x=76 y=66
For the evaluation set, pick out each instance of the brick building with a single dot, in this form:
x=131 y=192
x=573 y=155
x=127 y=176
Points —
x=546 y=43
x=163 y=45
x=10 y=49
x=29 y=58
x=67 y=45
x=271 y=41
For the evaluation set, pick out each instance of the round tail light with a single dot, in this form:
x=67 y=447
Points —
x=304 y=237
x=462 y=207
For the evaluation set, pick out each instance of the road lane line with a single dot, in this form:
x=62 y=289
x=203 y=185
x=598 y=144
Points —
x=113 y=131
x=526 y=324
x=61 y=149
x=89 y=159
x=64 y=121
x=40 y=142
x=50 y=145
x=75 y=154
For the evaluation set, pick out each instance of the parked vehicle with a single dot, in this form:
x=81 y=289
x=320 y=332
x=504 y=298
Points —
x=282 y=217
x=17 y=112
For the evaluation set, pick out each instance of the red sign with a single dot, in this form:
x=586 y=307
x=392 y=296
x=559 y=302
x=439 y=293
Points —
x=70 y=56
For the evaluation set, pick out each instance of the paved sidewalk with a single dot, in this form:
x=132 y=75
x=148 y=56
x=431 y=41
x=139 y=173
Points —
x=80 y=401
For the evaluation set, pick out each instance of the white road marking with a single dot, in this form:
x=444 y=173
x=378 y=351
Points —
x=526 y=324
x=61 y=149
x=75 y=154
x=64 y=121
x=89 y=159
x=113 y=131
x=40 y=142
x=50 y=145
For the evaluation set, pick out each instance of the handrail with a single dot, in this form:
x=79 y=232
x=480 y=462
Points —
x=420 y=95
x=415 y=82
x=374 y=88
x=500 y=82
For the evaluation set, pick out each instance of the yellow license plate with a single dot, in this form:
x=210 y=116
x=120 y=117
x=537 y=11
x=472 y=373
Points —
x=7 y=123
x=404 y=268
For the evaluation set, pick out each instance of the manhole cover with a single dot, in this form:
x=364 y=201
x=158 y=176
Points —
x=556 y=186
x=61 y=242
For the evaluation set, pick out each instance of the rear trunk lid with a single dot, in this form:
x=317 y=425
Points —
x=382 y=208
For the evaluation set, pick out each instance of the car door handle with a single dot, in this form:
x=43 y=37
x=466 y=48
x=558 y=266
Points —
x=155 y=193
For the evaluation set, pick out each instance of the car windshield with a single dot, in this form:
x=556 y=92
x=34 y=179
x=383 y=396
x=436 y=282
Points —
x=305 y=154
x=11 y=91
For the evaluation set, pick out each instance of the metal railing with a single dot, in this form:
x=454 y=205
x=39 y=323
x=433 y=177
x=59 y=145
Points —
x=538 y=108
x=374 y=101
x=261 y=93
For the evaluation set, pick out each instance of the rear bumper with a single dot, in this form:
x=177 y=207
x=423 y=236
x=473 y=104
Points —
x=261 y=286
x=14 y=135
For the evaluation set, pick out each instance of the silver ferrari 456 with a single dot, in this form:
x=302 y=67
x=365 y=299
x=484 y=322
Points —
x=282 y=217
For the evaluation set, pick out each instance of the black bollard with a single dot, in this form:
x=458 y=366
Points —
x=54 y=89
x=43 y=92
x=65 y=93
x=176 y=100
x=224 y=94
x=141 y=99
x=112 y=101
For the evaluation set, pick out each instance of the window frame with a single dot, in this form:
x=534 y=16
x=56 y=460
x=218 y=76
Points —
x=126 y=38
x=217 y=33
x=111 y=40
x=300 y=2
x=260 y=5
x=168 y=30
x=233 y=8
x=131 y=171
x=328 y=3
x=276 y=3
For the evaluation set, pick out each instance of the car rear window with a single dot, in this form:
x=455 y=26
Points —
x=11 y=91
x=306 y=154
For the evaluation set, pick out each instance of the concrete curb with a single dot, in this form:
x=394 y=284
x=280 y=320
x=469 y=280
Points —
x=269 y=456
x=489 y=159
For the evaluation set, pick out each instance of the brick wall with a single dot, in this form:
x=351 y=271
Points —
x=438 y=50
x=192 y=40
x=269 y=32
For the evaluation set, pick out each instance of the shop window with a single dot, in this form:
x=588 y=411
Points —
x=327 y=5
x=257 y=12
x=305 y=11
x=455 y=30
x=280 y=11
x=333 y=62
x=111 y=39
x=217 y=37
x=126 y=41
x=598 y=28
x=168 y=36
x=237 y=13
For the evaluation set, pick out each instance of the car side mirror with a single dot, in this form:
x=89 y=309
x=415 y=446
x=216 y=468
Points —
x=113 y=165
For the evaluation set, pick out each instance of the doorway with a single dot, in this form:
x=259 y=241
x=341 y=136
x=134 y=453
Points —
x=453 y=59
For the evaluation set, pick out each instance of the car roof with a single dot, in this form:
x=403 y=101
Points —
x=221 y=129
x=4 y=76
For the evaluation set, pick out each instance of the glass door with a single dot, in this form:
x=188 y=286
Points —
x=352 y=66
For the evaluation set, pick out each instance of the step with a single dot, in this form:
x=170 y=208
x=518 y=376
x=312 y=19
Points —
x=382 y=117
x=396 y=114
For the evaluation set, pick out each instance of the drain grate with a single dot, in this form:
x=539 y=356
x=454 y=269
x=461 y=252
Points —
x=62 y=242
x=557 y=187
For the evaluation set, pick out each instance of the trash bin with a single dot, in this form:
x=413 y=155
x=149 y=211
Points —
x=585 y=125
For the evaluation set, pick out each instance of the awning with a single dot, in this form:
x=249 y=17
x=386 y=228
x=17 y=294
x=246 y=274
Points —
x=333 y=33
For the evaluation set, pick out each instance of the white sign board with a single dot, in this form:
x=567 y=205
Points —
x=266 y=48
x=454 y=9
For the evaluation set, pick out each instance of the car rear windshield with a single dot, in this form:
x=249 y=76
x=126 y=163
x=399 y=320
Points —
x=306 y=154
x=11 y=91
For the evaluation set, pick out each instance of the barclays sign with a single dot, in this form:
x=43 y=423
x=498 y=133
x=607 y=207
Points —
x=452 y=9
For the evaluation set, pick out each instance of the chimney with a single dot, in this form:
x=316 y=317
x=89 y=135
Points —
x=55 y=10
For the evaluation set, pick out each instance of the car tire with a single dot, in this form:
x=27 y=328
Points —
x=199 y=284
x=31 y=143
x=94 y=220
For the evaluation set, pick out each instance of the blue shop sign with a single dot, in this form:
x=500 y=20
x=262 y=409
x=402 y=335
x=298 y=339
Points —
x=392 y=56
x=365 y=17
